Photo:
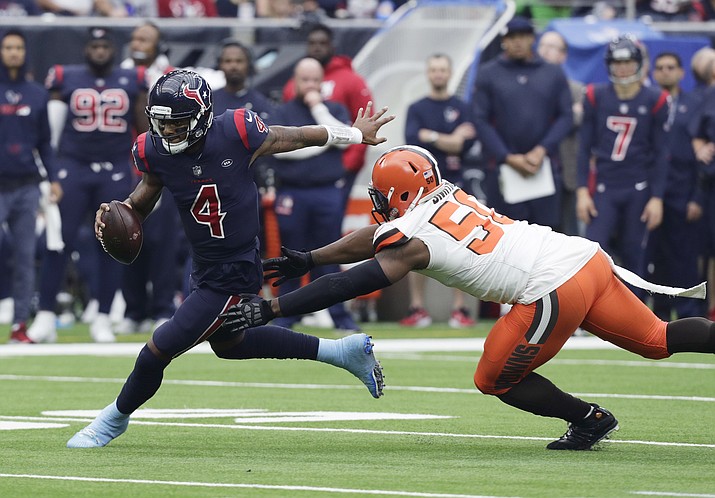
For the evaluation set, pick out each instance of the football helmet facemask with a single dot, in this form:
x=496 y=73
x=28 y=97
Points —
x=624 y=48
x=401 y=177
x=185 y=98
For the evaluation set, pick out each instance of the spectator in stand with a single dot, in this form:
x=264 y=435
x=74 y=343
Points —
x=522 y=111
x=19 y=8
x=187 y=8
x=553 y=49
x=133 y=8
x=624 y=128
x=95 y=131
x=340 y=84
x=309 y=200
x=676 y=243
x=441 y=123
x=25 y=133
x=149 y=285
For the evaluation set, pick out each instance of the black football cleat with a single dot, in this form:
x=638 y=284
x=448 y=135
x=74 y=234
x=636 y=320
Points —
x=585 y=434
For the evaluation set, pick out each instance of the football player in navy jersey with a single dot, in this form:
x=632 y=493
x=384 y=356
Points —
x=96 y=107
x=624 y=128
x=205 y=164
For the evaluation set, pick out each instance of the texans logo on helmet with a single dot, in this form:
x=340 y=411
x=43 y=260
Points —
x=193 y=93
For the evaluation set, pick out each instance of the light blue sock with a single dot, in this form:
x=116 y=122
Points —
x=329 y=352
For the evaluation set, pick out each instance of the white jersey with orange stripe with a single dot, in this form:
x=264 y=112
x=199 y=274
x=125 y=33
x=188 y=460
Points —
x=483 y=253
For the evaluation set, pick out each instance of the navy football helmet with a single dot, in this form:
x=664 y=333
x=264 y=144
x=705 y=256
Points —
x=624 y=48
x=185 y=98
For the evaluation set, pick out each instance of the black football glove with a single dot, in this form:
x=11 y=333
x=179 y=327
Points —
x=292 y=264
x=250 y=311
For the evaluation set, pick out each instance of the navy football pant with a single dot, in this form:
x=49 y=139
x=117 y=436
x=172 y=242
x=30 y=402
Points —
x=619 y=229
x=195 y=321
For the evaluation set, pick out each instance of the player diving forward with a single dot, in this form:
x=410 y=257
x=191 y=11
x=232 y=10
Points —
x=556 y=283
x=205 y=164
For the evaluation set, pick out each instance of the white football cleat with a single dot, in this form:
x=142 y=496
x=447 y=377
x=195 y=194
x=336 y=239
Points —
x=101 y=329
x=43 y=328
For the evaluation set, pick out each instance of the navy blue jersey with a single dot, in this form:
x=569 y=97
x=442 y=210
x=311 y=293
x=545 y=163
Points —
x=215 y=193
x=627 y=137
x=25 y=130
x=442 y=116
x=324 y=169
x=250 y=99
x=100 y=121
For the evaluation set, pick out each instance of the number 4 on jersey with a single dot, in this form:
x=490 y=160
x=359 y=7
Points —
x=206 y=210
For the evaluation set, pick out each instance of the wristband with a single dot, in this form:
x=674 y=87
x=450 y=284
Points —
x=343 y=135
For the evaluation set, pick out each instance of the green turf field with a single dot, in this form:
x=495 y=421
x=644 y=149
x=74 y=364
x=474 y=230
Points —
x=302 y=429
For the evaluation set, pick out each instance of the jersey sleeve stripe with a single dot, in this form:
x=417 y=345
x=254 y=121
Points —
x=141 y=150
x=239 y=120
x=391 y=238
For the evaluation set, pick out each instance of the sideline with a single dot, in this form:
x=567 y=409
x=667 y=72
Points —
x=475 y=344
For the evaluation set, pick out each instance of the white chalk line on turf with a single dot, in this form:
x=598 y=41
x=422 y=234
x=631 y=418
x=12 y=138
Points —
x=354 y=431
x=246 y=486
x=426 y=345
x=274 y=385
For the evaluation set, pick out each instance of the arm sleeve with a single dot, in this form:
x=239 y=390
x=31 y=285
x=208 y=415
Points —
x=334 y=288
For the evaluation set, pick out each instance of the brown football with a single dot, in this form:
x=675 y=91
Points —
x=122 y=235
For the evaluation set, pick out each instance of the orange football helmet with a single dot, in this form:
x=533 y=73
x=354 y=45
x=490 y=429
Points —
x=400 y=178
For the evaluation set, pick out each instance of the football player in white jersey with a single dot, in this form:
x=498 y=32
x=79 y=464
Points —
x=555 y=283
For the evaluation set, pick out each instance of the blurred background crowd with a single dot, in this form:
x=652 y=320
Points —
x=593 y=95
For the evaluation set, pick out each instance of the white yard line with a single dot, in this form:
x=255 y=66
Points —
x=312 y=489
x=353 y=431
x=382 y=346
x=276 y=385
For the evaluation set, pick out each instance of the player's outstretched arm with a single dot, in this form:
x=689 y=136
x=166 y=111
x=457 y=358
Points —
x=288 y=138
x=354 y=247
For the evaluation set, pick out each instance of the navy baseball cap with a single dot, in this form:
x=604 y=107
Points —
x=517 y=25
x=97 y=33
